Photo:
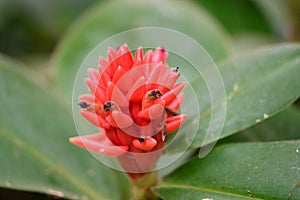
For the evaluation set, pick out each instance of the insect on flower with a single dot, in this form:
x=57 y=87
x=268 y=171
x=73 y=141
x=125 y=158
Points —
x=134 y=101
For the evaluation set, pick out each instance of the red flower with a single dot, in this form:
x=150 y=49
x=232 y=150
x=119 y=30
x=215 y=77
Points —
x=134 y=102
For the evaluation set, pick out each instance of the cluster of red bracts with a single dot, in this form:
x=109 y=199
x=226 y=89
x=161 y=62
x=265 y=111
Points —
x=134 y=101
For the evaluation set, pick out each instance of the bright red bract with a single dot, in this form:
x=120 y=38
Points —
x=134 y=101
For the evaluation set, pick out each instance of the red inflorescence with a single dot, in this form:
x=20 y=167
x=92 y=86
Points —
x=134 y=101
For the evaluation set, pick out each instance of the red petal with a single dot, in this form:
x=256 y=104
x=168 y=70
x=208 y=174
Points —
x=87 y=98
x=181 y=117
x=103 y=63
x=91 y=84
x=93 y=74
x=147 y=57
x=136 y=72
x=153 y=77
x=137 y=91
x=172 y=78
x=111 y=134
x=148 y=69
x=153 y=112
x=174 y=123
x=114 y=94
x=125 y=58
x=151 y=128
x=120 y=120
x=112 y=56
x=159 y=55
x=125 y=83
x=139 y=54
x=94 y=118
x=175 y=105
x=98 y=143
x=148 y=144
x=100 y=95
x=172 y=94
x=118 y=74
x=104 y=79
x=113 y=151
x=124 y=138
x=163 y=74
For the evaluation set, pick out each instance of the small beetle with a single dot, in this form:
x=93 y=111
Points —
x=84 y=105
x=108 y=106
x=141 y=139
x=154 y=94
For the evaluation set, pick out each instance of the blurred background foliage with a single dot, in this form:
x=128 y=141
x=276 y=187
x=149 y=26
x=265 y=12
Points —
x=30 y=28
x=30 y=31
x=34 y=27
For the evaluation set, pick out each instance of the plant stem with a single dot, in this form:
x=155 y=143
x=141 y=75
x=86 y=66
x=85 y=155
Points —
x=141 y=187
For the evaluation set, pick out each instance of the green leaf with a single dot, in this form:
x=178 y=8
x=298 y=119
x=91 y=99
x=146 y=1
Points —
x=113 y=17
x=35 y=153
x=283 y=126
x=237 y=16
x=238 y=171
x=257 y=86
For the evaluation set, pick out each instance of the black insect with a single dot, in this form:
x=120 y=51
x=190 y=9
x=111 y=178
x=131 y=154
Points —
x=154 y=94
x=108 y=106
x=141 y=139
x=176 y=70
x=84 y=105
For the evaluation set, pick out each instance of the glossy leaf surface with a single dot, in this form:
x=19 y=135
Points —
x=238 y=171
x=35 y=153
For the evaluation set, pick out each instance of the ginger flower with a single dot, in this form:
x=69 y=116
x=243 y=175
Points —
x=134 y=101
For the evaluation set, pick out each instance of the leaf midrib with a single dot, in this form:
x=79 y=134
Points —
x=167 y=185
x=47 y=162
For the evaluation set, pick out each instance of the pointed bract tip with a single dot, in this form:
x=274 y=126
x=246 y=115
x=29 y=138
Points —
x=146 y=144
x=113 y=151
x=77 y=141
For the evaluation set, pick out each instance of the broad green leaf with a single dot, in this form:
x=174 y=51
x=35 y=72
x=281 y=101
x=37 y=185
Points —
x=283 y=126
x=238 y=171
x=257 y=86
x=113 y=17
x=35 y=153
x=174 y=192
